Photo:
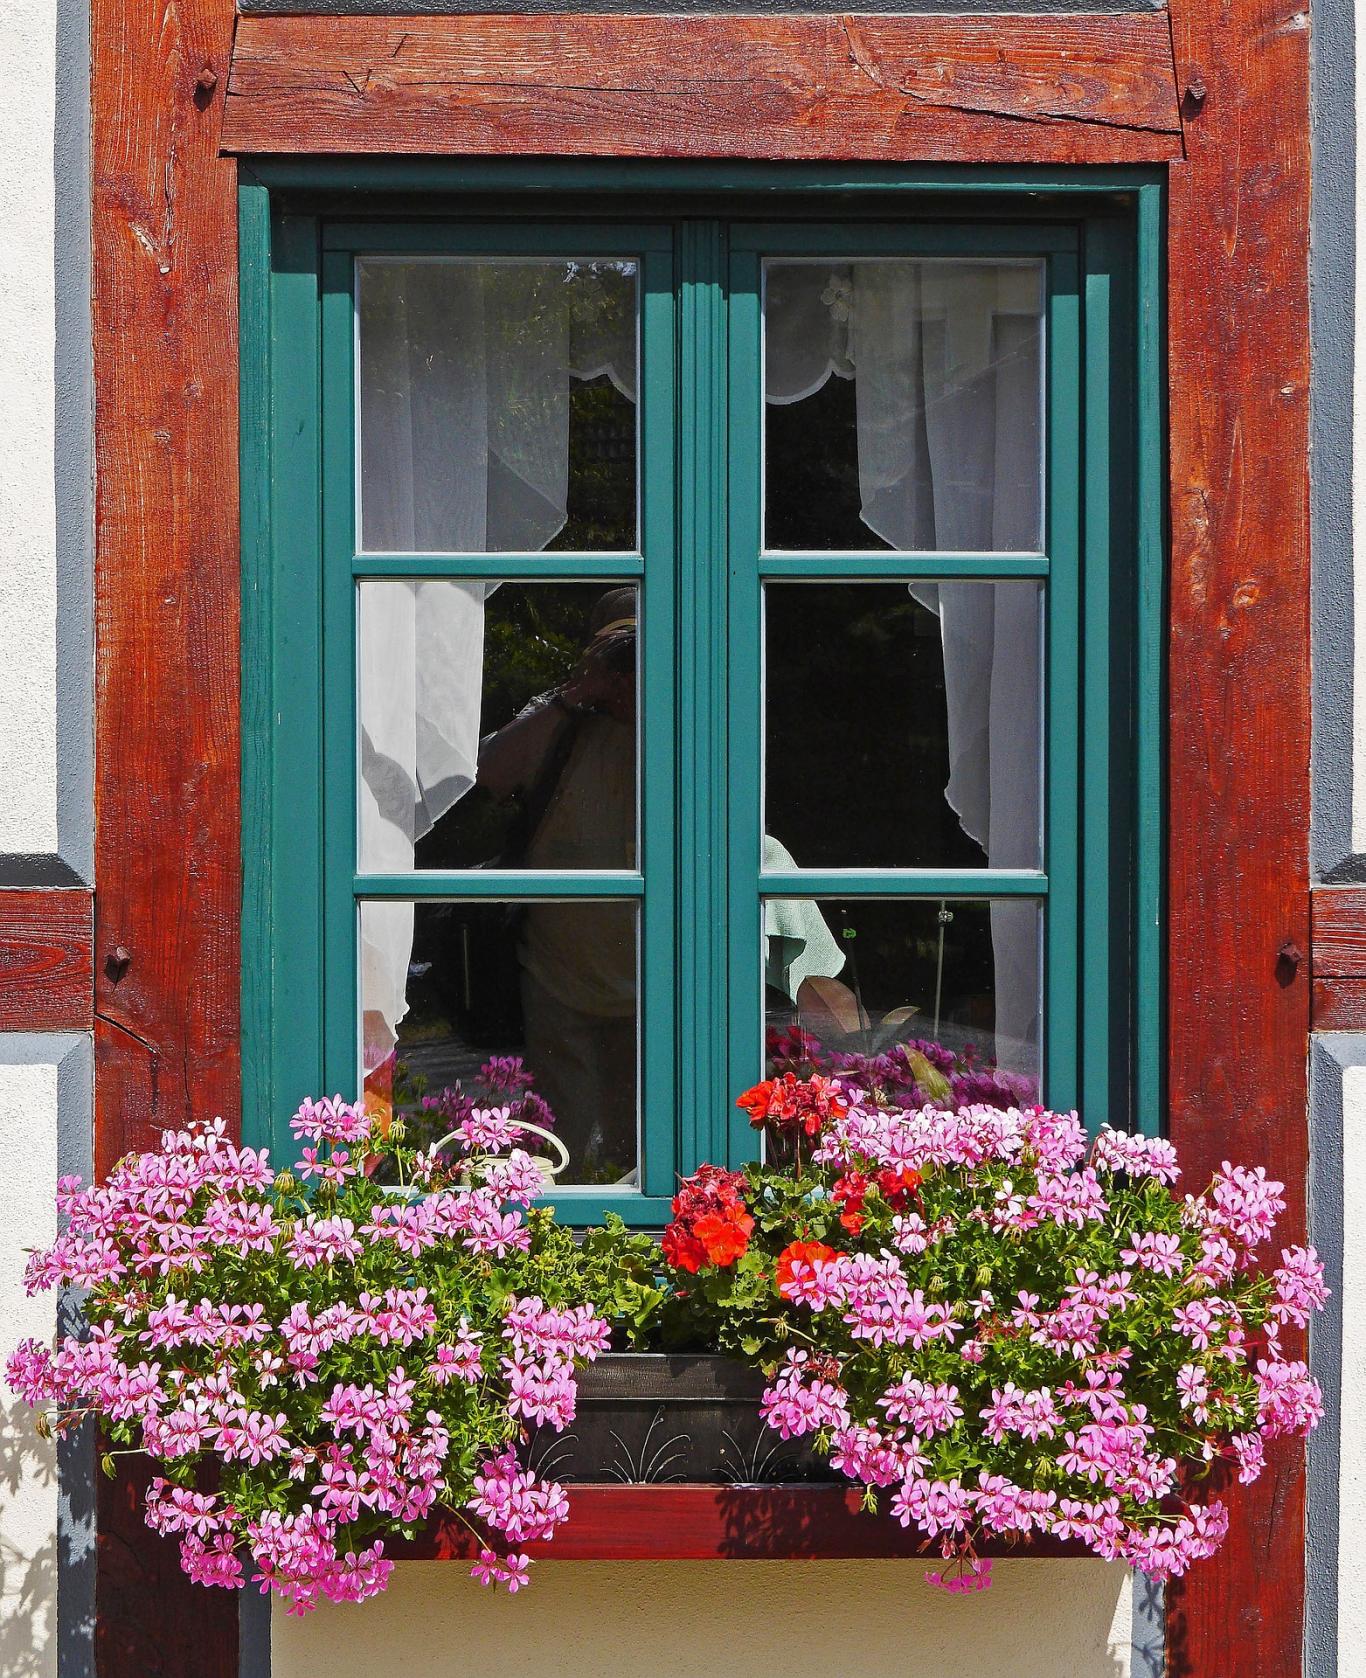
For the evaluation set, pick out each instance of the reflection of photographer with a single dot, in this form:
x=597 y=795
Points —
x=570 y=756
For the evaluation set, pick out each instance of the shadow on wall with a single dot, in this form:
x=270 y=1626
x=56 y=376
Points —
x=28 y=1549
x=676 y=1619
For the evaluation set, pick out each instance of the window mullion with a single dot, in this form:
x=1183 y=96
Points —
x=1062 y=638
x=745 y=1025
x=339 y=961
x=704 y=1000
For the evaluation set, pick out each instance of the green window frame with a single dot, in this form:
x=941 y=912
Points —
x=702 y=568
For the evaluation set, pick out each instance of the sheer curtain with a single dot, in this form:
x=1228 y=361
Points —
x=465 y=376
x=946 y=359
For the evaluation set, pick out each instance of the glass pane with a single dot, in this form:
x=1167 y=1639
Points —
x=903 y=405
x=902 y=725
x=850 y=980
x=498 y=725
x=528 y=1004
x=497 y=405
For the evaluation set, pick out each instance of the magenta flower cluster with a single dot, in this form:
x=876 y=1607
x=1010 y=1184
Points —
x=1019 y=1329
x=339 y=1351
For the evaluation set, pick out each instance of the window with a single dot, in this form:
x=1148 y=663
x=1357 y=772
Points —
x=671 y=636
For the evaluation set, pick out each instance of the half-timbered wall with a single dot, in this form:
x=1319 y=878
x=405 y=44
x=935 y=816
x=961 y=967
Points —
x=167 y=530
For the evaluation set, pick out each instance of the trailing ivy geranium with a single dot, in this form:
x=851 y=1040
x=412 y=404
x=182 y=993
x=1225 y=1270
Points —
x=344 y=1356
x=1008 y=1327
x=1000 y=1325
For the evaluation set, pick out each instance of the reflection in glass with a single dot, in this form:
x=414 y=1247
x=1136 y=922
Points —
x=903 y=405
x=553 y=984
x=902 y=726
x=498 y=725
x=964 y=975
x=497 y=405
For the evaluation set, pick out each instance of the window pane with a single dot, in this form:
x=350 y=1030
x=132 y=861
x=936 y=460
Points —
x=902 y=725
x=903 y=405
x=497 y=405
x=862 y=976
x=446 y=987
x=498 y=725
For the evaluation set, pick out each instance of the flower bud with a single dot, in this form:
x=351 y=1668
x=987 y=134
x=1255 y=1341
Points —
x=286 y=1183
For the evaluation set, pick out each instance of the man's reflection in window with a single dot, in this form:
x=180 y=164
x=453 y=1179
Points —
x=570 y=757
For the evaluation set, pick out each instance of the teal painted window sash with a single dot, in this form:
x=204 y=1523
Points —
x=701 y=569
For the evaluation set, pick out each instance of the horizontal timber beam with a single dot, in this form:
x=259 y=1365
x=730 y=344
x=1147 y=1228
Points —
x=1084 y=88
x=46 y=964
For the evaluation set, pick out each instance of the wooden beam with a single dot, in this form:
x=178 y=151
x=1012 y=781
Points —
x=717 y=1523
x=167 y=778
x=1339 y=1004
x=46 y=968
x=1238 y=877
x=987 y=89
x=1337 y=958
x=1339 y=932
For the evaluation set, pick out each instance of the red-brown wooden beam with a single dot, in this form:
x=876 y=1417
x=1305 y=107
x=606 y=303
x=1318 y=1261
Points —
x=1339 y=932
x=1238 y=883
x=167 y=776
x=717 y=1523
x=1337 y=958
x=988 y=89
x=46 y=981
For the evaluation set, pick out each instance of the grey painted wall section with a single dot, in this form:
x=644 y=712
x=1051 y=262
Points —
x=1332 y=281
x=74 y=446
x=1330 y=1054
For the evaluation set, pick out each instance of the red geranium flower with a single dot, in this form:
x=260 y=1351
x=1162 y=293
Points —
x=682 y=1249
x=899 y=1187
x=723 y=1235
x=792 y=1103
x=798 y=1252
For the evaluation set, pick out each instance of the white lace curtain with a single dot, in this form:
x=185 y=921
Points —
x=465 y=374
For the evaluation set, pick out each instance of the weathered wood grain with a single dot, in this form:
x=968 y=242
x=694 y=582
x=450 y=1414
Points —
x=1339 y=1004
x=167 y=846
x=920 y=88
x=1239 y=715
x=46 y=979
x=1339 y=932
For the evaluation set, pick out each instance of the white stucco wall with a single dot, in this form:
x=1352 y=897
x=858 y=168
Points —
x=678 y=1619
x=28 y=598
x=28 y=1467
x=28 y=774
x=1352 y=1420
